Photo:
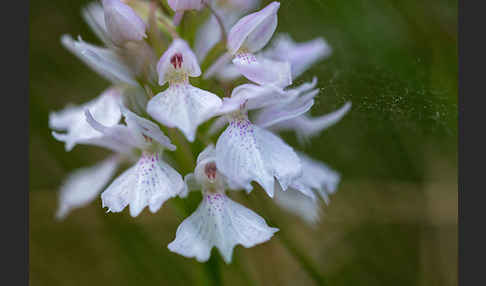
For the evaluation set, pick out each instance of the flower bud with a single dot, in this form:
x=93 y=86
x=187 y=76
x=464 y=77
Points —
x=122 y=23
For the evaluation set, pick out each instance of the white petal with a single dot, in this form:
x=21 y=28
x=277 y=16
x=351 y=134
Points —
x=245 y=153
x=306 y=126
x=263 y=71
x=147 y=128
x=83 y=185
x=94 y=15
x=207 y=36
x=219 y=222
x=278 y=113
x=279 y=157
x=104 y=61
x=218 y=124
x=118 y=137
x=299 y=204
x=105 y=108
x=148 y=183
x=238 y=157
x=178 y=58
x=253 y=31
x=300 y=55
x=207 y=154
x=185 y=107
x=317 y=176
x=254 y=97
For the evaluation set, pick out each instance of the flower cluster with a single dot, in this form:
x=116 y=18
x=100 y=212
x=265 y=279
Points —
x=150 y=67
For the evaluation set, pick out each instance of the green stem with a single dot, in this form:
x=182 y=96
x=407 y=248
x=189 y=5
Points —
x=306 y=263
x=213 y=271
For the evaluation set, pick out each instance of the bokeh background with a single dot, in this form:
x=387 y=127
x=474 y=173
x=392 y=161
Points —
x=393 y=220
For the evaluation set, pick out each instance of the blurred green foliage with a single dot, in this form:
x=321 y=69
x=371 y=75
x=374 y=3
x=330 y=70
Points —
x=393 y=220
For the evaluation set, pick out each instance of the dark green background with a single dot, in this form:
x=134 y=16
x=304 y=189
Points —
x=393 y=220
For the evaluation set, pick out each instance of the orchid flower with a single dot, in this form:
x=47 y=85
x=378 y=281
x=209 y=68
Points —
x=300 y=198
x=218 y=221
x=248 y=36
x=151 y=181
x=181 y=105
x=228 y=11
x=105 y=108
x=247 y=152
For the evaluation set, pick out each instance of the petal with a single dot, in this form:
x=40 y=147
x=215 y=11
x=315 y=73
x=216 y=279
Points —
x=254 y=97
x=278 y=113
x=83 y=185
x=245 y=153
x=190 y=184
x=206 y=37
x=263 y=71
x=122 y=22
x=94 y=16
x=207 y=154
x=219 y=222
x=218 y=124
x=148 y=183
x=72 y=120
x=220 y=66
x=118 y=137
x=147 y=128
x=307 y=127
x=299 y=204
x=178 y=58
x=238 y=157
x=103 y=61
x=300 y=55
x=253 y=31
x=279 y=157
x=182 y=5
x=185 y=107
x=317 y=176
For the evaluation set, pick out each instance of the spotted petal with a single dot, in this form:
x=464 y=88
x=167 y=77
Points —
x=222 y=223
x=185 y=107
x=245 y=153
x=148 y=183
x=83 y=185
